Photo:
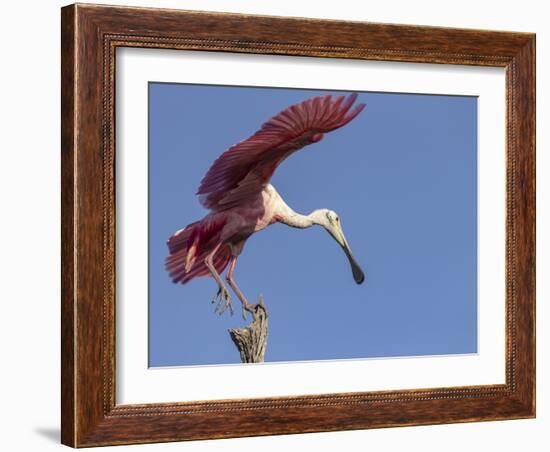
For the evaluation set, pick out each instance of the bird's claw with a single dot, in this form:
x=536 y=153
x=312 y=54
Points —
x=215 y=297
x=223 y=300
x=248 y=307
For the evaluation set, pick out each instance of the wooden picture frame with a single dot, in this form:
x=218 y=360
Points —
x=90 y=35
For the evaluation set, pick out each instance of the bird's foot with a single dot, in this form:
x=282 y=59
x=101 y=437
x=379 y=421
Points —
x=223 y=300
x=249 y=307
x=245 y=308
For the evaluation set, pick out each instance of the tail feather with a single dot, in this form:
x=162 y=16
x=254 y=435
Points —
x=178 y=241
x=190 y=246
x=175 y=264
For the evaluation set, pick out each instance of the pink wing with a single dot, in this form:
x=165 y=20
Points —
x=243 y=171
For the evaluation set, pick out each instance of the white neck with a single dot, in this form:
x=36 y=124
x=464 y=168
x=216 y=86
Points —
x=297 y=220
x=291 y=218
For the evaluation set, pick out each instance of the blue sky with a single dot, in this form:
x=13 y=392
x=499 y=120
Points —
x=401 y=176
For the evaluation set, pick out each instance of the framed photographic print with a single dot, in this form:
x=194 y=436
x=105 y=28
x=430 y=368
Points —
x=282 y=225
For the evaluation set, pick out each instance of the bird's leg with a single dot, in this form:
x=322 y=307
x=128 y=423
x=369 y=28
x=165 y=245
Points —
x=223 y=297
x=217 y=296
x=229 y=277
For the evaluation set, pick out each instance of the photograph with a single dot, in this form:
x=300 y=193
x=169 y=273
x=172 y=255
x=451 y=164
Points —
x=287 y=223
x=345 y=223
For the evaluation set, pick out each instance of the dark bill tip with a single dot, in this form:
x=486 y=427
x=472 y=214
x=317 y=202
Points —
x=359 y=276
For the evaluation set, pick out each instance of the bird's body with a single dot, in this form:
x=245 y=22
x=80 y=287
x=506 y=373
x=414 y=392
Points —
x=231 y=227
x=242 y=201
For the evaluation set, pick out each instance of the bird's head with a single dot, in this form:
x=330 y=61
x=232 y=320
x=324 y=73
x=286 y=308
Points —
x=331 y=222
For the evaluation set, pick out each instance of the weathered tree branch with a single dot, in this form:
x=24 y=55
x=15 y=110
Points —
x=251 y=341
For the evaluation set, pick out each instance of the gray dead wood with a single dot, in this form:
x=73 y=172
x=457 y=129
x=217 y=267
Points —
x=251 y=341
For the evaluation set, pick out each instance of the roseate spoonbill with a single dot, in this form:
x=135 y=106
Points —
x=236 y=189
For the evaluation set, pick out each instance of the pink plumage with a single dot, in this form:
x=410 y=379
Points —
x=236 y=189
x=245 y=168
x=200 y=237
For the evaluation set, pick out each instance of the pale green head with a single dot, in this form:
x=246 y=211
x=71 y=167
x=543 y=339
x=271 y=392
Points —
x=331 y=222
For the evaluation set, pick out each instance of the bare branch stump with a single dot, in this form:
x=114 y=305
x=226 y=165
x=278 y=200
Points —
x=251 y=341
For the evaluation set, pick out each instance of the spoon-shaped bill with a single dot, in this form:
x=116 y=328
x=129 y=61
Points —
x=339 y=236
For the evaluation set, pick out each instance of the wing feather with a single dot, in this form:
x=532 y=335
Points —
x=241 y=172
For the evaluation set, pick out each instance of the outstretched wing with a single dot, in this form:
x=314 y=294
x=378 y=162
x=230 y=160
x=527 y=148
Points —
x=243 y=171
